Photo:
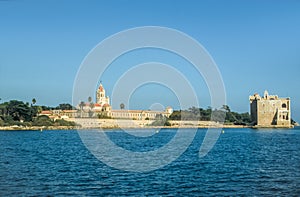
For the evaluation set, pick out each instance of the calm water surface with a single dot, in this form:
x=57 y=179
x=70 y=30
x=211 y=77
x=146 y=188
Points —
x=243 y=162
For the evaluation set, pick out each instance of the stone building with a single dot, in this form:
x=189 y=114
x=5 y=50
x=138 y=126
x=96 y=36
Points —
x=101 y=98
x=103 y=108
x=270 y=111
x=139 y=114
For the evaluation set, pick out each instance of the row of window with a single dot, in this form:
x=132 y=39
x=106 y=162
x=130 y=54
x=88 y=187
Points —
x=131 y=115
x=284 y=117
x=283 y=105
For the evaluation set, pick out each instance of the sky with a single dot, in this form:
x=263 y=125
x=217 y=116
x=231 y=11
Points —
x=255 y=45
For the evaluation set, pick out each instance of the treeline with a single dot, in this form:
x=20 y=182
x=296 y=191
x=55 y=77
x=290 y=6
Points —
x=63 y=106
x=19 y=113
x=209 y=114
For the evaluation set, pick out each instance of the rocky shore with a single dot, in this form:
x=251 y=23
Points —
x=36 y=128
x=89 y=123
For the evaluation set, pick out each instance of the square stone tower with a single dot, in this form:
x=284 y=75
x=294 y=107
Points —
x=270 y=111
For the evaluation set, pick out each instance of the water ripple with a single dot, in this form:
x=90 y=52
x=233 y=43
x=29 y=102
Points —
x=243 y=162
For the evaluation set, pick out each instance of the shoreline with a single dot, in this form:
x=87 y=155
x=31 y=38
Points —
x=42 y=128
x=109 y=124
x=59 y=128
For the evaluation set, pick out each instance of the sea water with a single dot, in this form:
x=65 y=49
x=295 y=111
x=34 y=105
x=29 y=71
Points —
x=242 y=162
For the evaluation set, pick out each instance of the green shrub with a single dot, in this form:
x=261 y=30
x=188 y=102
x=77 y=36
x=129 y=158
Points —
x=160 y=123
x=61 y=122
x=42 y=121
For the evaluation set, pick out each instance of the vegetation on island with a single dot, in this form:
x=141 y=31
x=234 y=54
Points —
x=199 y=114
x=160 y=120
x=209 y=114
x=19 y=113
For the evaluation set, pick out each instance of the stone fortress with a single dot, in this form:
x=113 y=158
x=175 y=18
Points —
x=270 y=111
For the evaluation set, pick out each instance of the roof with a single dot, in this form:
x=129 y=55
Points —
x=46 y=112
x=101 y=89
x=70 y=111
x=139 y=111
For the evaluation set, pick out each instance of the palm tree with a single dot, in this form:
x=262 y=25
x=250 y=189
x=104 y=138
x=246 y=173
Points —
x=81 y=105
x=92 y=105
x=90 y=99
x=33 y=109
x=122 y=106
x=33 y=101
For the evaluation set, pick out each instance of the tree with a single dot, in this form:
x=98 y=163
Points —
x=206 y=114
x=19 y=111
x=33 y=101
x=81 y=105
x=218 y=115
x=176 y=115
x=65 y=106
x=160 y=120
x=92 y=105
x=194 y=110
x=42 y=121
x=90 y=99
x=158 y=117
x=226 y=108
x=122 y=106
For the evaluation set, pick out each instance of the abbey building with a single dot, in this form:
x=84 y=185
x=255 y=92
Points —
x=102 y=108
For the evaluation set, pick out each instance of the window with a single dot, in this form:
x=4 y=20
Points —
x=283 y=105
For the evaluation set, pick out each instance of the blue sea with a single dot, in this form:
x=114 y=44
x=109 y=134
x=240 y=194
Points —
x=243 y=162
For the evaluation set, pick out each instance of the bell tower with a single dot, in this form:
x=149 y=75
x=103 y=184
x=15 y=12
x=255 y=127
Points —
x=100 y=96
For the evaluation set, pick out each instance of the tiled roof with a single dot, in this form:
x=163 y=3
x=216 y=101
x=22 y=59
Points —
x=46 y=112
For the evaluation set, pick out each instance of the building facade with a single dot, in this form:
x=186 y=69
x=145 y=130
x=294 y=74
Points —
x=101 y=98
x=105 y=109
x=102 y=108
x=139 y=114
x=270 y=111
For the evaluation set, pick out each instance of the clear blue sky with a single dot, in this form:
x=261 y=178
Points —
x=255 y=44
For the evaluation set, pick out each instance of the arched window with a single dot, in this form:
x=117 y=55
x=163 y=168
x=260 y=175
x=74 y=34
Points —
x=283 y=105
